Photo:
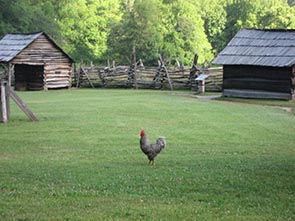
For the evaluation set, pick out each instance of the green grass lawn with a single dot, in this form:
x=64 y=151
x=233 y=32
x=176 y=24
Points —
x=82 y=161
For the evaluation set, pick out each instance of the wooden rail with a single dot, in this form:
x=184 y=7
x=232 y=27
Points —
x=5 y=93
x=161 y=77
x=22 y=106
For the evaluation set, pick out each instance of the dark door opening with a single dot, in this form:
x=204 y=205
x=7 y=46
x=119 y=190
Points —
x=29 y=77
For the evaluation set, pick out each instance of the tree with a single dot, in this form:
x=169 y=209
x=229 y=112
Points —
x=23 y=16
x=85 y=26
x=214 y=15
x=275 y=14
x=139 y=30
x=184 y=32
x=95 y=30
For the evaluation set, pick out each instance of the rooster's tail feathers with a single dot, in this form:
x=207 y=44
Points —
x=161 y=141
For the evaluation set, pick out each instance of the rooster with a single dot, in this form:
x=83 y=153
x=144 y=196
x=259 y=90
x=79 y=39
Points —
x=150 y=149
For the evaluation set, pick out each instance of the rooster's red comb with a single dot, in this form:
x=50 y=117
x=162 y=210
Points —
x=142 y=133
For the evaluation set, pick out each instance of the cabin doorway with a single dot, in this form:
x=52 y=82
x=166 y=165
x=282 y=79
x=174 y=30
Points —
x=29 y=77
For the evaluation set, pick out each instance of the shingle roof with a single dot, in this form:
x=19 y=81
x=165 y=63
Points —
x=259 y=47
x=12 y=44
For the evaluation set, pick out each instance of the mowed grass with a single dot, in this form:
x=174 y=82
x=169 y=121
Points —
x=82 y=161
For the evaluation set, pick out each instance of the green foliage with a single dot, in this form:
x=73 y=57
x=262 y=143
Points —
x=22 y=16
x=172 y=29
x=266 y=14
x=262 y=14
x=214 y=15
x=139 y=30
x=277 y=15
x=85 y=27
x=82 y=161
x=184 y=33
x=114 y=29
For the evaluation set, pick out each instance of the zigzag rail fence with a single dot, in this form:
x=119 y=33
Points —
x=160 y=77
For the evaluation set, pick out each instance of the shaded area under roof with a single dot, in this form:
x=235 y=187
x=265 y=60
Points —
x=274 y=48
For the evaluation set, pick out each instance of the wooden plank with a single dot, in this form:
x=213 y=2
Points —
x=256 y=94
x=3 y=111
x=258 y=84
x=270 y=73
x=58 y=79
x=22 y=106
x=10 y=76
x=162 y=63
x=85 y=72
x=42 y=50
x=101 y=76
x=51 y=86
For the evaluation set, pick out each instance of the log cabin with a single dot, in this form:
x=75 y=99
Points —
x=35 y=62
x=259 y=63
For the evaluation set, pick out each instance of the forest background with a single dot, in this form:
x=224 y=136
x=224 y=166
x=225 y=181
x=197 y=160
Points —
x=101 y=30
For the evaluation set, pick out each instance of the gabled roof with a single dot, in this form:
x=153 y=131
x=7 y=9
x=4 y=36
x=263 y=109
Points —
x=12 y=44
x=274 y=48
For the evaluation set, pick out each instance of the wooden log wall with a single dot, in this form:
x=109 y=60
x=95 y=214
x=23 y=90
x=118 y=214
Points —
x=258 y=81
x=57 y=66
x=146 y=78
x=57 y=75
x=215 y=80
x=258 y=78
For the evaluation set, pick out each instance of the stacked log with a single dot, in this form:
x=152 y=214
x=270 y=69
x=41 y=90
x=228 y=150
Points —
x=84 y=76
x=146 y=77
x=57 y=76
x=258 y=78
x=214 y=81
x=42 y=65
x=181 y=78
x=117 y=77
x=258 y=81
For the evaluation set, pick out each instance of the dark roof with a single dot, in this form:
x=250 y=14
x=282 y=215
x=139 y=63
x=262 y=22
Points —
x=12 y=44
x=274 y=48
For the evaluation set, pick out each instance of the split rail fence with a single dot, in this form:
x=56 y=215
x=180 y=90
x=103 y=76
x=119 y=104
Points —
x=141 y=77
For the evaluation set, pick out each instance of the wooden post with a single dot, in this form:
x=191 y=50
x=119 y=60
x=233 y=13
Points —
x=3 y=108
x=5 y=93
x=168 y=77
x=87 y=76
x=193 y=71
x=10 y=73
x=23 y=106
x=135 y=66
x=202 y=86
x=166 y=71
x=77 y=76
x=201 y=82
x=45 y=87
